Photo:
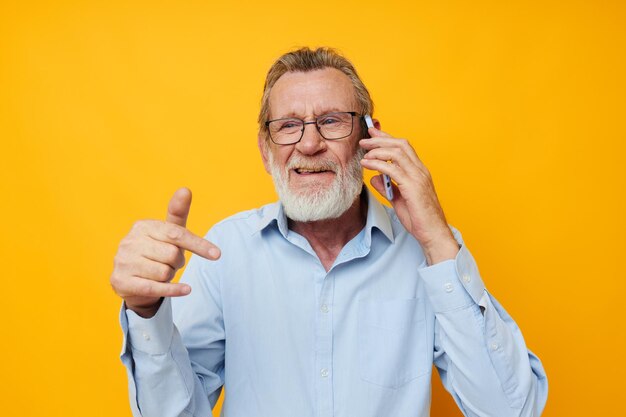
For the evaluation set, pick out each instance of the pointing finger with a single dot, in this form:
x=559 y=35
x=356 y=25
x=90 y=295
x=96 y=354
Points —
x=376 y=133
x=391 y=143
x=183 y=238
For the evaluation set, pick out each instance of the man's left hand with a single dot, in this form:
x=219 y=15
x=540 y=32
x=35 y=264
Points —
x=415 y=200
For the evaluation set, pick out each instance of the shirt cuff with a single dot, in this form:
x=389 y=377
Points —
x=153 y=335
x=453 y=284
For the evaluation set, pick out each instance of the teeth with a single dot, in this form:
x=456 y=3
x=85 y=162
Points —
x=307 y=171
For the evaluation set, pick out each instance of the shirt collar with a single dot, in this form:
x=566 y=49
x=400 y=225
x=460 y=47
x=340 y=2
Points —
x=273 y=212
x=377 y=217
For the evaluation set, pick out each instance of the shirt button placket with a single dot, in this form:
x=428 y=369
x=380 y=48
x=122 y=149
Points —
x=324 y=349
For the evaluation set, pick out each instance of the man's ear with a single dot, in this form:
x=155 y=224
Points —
x=264 y=149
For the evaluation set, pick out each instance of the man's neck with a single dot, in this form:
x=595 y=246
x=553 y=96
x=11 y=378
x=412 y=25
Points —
x=328 y=237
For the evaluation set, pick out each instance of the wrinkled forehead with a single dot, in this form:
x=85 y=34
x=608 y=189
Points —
x=310 y=94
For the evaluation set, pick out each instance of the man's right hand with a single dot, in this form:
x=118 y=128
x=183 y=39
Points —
x=149 y=256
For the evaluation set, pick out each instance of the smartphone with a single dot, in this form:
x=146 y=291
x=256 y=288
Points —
x=386 y=179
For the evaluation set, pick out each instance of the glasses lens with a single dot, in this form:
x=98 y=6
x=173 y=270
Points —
x=285 y=130
x=335 y=125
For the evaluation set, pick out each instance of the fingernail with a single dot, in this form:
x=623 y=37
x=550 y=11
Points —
x=214 y=252
x=186 y=289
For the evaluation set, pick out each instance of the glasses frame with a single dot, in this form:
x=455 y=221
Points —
x=314 y=122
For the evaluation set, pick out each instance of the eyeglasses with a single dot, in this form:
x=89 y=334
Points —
x=331 y=126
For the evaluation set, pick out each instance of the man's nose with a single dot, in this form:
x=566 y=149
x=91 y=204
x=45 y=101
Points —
x=312 y=141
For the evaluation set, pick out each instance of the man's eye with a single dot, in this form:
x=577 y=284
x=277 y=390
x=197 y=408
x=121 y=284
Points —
x=289 y=125
x=329 y=121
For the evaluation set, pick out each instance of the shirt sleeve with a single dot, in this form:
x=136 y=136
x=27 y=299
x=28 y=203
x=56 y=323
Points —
x=479 y=350
x=166 y=377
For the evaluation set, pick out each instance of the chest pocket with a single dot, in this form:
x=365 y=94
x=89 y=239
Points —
x=393 y=341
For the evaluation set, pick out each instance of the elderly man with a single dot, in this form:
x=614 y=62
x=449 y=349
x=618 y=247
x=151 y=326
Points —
x=326 y=303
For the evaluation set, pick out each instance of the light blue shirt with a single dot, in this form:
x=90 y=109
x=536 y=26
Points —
x=288 y=339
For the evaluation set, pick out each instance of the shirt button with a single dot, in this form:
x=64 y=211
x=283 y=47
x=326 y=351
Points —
x=467 y=278
x=448 y=287
x=324 y=308
x=494 y=346
x=324 y=372
x=146 y=336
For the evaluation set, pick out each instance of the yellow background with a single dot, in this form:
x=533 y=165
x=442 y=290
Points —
x=517 y=108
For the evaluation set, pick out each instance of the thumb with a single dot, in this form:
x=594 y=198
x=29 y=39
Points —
x=178 y=208
x=377 y=183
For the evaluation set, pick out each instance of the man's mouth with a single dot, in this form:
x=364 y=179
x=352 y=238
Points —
x=308 y=171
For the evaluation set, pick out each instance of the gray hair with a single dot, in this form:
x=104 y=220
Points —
x=305 y=60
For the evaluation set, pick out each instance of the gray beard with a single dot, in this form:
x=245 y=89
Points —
x=319 y=202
